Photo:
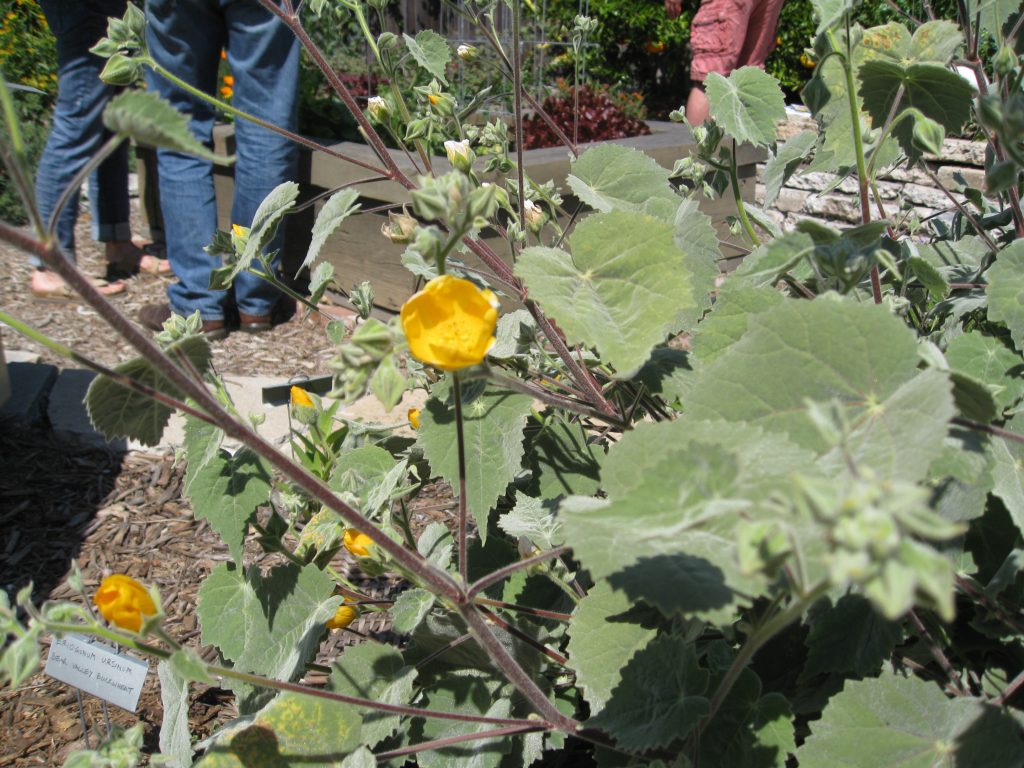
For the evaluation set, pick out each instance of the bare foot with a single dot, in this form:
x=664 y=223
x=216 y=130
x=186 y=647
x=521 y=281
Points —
x=47 y=284
x=126 y=257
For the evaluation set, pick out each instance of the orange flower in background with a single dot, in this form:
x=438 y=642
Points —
x=414 y=417
x=359 y=544
x=123 y=602
x=450 y=323
x=654 y=46
x=344 y=616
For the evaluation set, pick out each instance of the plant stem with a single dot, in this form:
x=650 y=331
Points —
x=311 y=485
x=234 y=111
x=554 y=615
x=858 y=148
x=517 y=85
x=449 y=740
x=755 y=641
x=463 y=512
x=547 y=397
x=741 y=211
x=118 y=378
x=502 y=573
x=511 y=669
x=555 y=656
x=938 y=655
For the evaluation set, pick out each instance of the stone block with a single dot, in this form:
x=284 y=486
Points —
x=791 y=200
x=843 y=208
x=67 y=413
x=30 y=390
x=929 y=197
x=973 y=177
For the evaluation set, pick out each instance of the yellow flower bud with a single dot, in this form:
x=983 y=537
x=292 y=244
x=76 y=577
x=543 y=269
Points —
x=414 y=417
x=450 y=323
x=301 y=398
x=344 y=616
x=239 y=231
x=123 y=602
x=359 y=544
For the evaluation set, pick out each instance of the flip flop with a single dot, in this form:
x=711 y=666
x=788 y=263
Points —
x=63 y=294
x=153 y=265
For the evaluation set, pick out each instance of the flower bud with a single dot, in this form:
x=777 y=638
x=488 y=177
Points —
x=1005 y=61
x=467 y=52
x=344 y=616
x=387 y=41
x=378 y=109
x=359 y=544
x=400 y=227
x=460 y=155
x=303 y=408
x=535 y=216
x=414 y=418
x=124 y=602
x=441 y=103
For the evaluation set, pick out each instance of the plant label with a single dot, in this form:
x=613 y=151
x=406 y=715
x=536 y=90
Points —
x=97 y=669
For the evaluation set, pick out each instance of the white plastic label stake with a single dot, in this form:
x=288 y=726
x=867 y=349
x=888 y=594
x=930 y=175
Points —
x=97 y=669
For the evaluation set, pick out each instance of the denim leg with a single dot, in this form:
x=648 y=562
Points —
x=77 y=132
x=264 y=58
x=185 y=37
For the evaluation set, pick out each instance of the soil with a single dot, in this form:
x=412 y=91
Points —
x=62 y=502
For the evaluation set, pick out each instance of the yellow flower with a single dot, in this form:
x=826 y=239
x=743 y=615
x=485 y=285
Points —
x=414 y=417
x=450 y=323
x=344 y=616
x=123 y=601
x=227 y=92
x=229 y=80
x=301 y=397
x=359 y=544
x=239 y=231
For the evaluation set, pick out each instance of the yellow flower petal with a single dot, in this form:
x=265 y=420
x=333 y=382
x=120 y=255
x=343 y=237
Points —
x=123 y=602
x=301 y=397
x=344 y=616
x=414 y=417
x=359 y=544
x=450 y=323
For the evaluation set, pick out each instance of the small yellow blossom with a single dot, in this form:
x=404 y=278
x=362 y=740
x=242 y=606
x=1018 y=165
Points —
x=123 y=602
x=359 y=544
x=450 y=323
x=227 y=92
x=300 y=397
x=229 y=80
x=414 y=417
x=239 y=231
x=344 y=616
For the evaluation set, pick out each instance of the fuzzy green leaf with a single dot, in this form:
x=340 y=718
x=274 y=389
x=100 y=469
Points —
x=471 y=696
x=225 y=489
x=992 y=362
x=273 y=624
x=410 y=609
x=768 y=263
x=728 y=323
x=830 y=12
x=175 y=737
x=366 y=474
x=1007 y=458
x=613 y=177
x=784 y=163
x=147 y=119
x=891 y=722
x=339 y=207
x=292 y=731
x=994 y=14
x=264 y=225
x=749 y=730
x=939 y=94
x=430 y=51
x=696 y=237
x=850 y=637
x=602 y=640
x=747 y=104
x=493 y=424
x=1006 y=291
x=374 y=671
x=119 y=412
x=622 y=290
x=660 y=699
x=563 y=462
x=533 y=519
x=857 y=354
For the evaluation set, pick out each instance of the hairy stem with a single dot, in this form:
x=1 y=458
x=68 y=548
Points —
x=493 y=733
x=741 y=210
x=463 y=511
x=502 y=573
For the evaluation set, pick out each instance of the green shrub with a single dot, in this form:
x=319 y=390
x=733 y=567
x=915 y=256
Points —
x=28 y=57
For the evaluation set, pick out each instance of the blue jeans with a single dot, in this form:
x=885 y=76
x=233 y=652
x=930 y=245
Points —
x=186 y=37
x=77 y=133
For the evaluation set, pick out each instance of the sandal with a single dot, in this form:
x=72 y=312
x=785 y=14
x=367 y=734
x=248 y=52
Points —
x=62 y=294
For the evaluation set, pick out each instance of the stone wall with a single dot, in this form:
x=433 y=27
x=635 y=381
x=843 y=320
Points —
x=903 y=191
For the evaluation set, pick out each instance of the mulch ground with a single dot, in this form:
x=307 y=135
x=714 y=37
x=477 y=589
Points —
x=62 y=502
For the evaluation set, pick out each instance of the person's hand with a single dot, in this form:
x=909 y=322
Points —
x=673 y=8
